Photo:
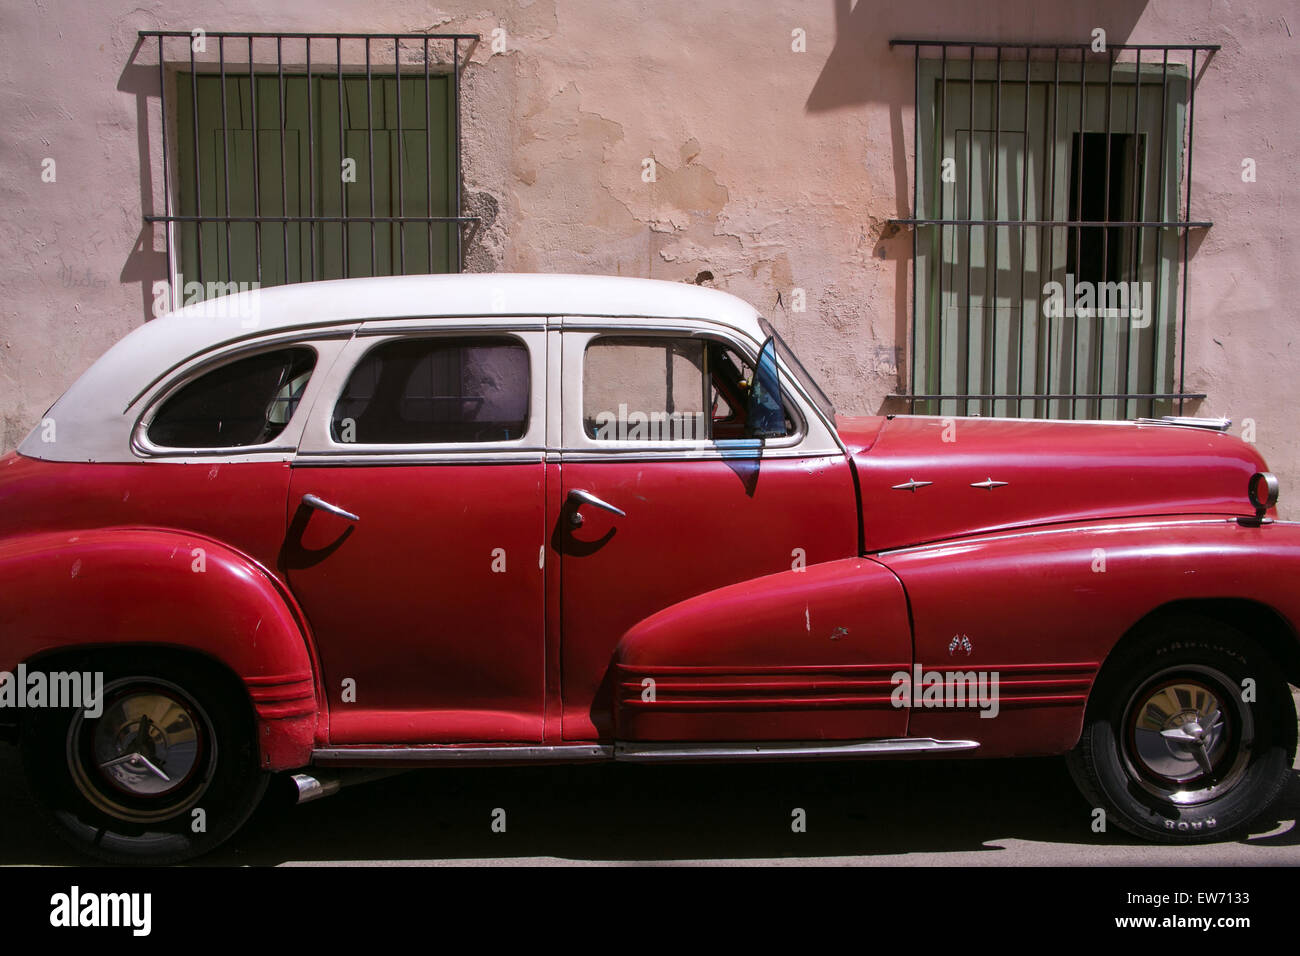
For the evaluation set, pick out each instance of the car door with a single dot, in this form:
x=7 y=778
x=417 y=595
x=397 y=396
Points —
x=416 y=528
x=663 y=497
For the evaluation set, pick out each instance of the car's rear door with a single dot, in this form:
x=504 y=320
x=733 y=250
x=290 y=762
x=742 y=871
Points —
x=416 y=526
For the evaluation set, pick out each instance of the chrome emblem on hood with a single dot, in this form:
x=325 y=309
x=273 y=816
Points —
x=910 y=485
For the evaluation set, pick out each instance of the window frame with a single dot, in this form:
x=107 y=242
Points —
x=503 y=338
x=325 y=344
x=577 y=444
x=264 y=54
x=319 y=447
x=1163 y=70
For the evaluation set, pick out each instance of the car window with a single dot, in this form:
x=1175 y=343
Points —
x=663 y=388
x=435 y=391
x=245 y=402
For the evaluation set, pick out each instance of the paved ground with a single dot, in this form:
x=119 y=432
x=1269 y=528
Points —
x=1005 y=812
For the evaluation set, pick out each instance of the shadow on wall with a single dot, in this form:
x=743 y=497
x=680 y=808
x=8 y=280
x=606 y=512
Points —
x=143 y=264
x=863 y=69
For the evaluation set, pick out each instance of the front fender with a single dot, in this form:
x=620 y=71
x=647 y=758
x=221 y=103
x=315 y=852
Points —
x=1044 y=608
x=805 y=654
x=109 y=587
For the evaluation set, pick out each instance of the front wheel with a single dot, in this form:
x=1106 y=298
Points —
x=165 y=771
x=1190 y=734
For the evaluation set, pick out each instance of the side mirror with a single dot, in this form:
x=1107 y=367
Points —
x=765 y=415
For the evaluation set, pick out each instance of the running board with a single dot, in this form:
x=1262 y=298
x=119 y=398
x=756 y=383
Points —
x=811 y=750
x=634 y=752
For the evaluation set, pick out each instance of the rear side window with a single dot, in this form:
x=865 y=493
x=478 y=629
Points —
x=436 y=391
x=246 y=402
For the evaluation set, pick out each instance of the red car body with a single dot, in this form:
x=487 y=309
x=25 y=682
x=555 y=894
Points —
x=743 y=603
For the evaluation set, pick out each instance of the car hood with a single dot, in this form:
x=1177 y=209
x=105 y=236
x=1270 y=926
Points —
x=926 y=479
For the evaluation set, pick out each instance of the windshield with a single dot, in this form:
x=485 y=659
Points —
x=800 y=373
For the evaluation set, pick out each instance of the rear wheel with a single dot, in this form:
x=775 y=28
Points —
x=166 y=771
x=1190 y=733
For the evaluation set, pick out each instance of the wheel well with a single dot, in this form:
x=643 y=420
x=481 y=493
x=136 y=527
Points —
x=98 y=658
x=1261 y=622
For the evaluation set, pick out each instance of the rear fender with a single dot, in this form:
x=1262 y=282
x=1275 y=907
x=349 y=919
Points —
x=112 y=587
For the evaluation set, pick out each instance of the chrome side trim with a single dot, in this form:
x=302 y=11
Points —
x=1214 y=424
x=385 y=458
x=632 y=752
x=688 y=454
x=455 y=754
x=666 y=752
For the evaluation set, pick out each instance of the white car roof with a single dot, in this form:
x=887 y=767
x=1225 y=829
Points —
x=93 y=419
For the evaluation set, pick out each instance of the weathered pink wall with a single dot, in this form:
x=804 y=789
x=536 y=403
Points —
x=776 y=169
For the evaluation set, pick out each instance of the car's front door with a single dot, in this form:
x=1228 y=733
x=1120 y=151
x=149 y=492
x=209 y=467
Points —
x=416 y=527
x=653 y=426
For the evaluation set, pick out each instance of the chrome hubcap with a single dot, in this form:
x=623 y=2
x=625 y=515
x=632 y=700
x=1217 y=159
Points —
x=148 y=756
x=1187 y=736
x=146 y=744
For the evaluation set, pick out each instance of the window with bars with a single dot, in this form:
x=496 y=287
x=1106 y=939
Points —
x=1047 y=229
x=291 y=157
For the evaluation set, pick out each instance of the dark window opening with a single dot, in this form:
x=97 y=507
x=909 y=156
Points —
x=1096 y=254
x=247 y=402
x=436 y=391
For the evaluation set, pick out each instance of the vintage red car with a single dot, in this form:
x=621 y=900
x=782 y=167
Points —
x=452 y=520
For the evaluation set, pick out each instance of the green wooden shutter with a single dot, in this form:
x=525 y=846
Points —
x=980 y=323
x=426 y=185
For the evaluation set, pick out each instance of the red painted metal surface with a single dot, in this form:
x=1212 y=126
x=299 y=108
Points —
x=431 y=604
x=1053 y=471
x=467 y=608
x=800 y=655
x=1045 y=607
x=160 y=554
x=691 y=527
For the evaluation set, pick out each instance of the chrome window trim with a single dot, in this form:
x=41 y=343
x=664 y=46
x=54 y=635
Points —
x=377 y=327
x=317 y=446
x=283 y=446
x=580 y=331
x=301 y=334
x=587 y=443
x=732 y=332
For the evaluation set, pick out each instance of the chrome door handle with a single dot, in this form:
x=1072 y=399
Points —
x=587 y=498
x=311 y=501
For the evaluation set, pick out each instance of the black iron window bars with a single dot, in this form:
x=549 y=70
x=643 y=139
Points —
x=1060 y=163
x=236 y=182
